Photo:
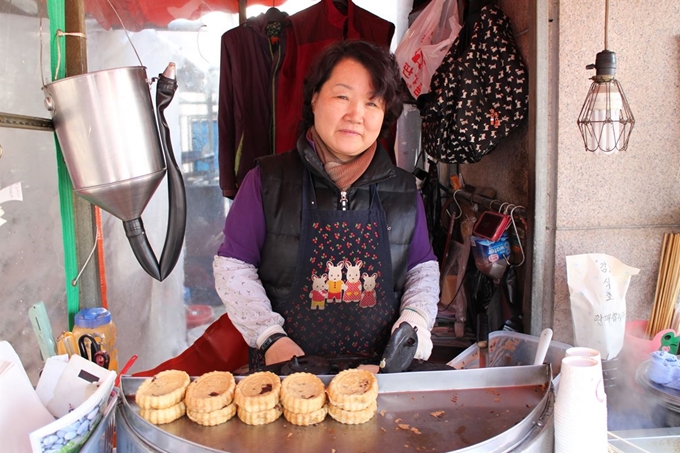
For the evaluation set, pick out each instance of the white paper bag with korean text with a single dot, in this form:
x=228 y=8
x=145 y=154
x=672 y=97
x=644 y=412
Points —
x=597 y=290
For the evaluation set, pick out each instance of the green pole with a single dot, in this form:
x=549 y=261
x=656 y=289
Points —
x=57 y=16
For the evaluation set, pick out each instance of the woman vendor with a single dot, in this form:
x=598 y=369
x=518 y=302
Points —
x=326 y=248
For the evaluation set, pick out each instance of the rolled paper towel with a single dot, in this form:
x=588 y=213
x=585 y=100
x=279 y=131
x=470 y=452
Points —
x=664 y=369
x=581 y=407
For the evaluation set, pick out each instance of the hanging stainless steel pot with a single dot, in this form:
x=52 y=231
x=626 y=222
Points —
x=105 y=125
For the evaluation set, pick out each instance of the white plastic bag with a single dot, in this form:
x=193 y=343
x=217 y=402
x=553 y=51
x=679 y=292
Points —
x=425 y=44
x=597 y=289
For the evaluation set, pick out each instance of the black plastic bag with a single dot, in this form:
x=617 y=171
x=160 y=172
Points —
x=499 y=299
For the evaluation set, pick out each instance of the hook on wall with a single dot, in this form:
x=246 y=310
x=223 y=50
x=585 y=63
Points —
x=519 y=240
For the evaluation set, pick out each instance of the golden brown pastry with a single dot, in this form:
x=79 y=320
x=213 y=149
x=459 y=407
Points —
x=353 y=390
x=302 y=393
x=258 y=392
x=259 y=417
x=353 y=417
x=306 y=419
x=162 y=416
x=210 y=392
x=166 y=389
x=213 y=418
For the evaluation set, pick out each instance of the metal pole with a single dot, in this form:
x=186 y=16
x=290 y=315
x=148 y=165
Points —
x=542 y=165
x=488 y=203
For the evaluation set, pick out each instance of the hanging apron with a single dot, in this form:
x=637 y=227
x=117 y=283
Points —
x=342 y=300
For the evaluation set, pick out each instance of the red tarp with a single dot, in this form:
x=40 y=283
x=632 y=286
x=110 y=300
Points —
x=140 y=14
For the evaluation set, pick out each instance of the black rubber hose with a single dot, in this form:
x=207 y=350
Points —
x=177 y=209
x=134 y=230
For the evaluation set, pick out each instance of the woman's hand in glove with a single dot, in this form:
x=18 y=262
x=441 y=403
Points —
x=282 y=350
x=424 y=341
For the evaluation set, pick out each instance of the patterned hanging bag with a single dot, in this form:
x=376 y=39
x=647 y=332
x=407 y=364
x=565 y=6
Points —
x=479 y=92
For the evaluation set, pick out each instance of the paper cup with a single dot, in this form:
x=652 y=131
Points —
x=583 y=352
x=581 y=407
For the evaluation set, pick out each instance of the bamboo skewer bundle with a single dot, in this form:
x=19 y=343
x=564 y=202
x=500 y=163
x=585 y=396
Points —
x=667 y=287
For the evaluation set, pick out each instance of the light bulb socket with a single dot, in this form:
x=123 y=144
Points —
x=605 y=63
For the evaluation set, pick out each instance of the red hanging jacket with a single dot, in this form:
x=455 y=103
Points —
x=311 y=31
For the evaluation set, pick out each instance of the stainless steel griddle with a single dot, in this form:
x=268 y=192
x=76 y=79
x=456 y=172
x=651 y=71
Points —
x=475 y=410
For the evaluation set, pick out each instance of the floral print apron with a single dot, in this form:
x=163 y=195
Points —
x=342 y=299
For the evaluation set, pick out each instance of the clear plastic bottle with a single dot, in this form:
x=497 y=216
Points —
x=98 y=323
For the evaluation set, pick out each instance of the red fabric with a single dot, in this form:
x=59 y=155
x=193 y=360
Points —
x=138 y=15
x=304 y=43
x=220 y=348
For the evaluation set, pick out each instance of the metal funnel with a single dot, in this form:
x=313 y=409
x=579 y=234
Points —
x=107 y=130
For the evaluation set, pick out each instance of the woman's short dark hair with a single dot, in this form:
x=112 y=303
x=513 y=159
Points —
x=379 y=63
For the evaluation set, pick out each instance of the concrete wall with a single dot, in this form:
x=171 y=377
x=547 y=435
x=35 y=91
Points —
x=622 y=204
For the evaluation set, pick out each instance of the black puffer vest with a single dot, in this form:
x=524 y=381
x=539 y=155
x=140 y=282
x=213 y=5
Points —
x=281 y=197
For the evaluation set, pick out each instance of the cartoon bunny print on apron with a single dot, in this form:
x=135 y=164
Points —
x=342 y=300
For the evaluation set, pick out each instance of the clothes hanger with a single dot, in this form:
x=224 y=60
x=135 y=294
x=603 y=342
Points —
x=273 y=14
x=341 y=5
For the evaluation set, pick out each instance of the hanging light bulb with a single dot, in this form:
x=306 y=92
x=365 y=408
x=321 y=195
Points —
x=606 y=120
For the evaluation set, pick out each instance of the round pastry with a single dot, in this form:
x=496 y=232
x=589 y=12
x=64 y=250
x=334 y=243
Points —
x=210 y=392
x=306 y=419
x=213 y=418
x=258 y=392
x=166 y=415
x=164 y=390
x=353 y=390
x=353 y=417
x=260 y=417
x=302 y=393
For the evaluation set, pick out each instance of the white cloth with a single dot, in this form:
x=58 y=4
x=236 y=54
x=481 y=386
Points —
x=424 y=341
x=421 y=291
x=419 y=304
x=245 y=299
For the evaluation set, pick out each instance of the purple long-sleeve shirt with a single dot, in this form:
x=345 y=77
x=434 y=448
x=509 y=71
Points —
x=245 y=243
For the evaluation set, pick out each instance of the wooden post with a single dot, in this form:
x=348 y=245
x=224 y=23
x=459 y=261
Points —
x=242 y=11
x=85 y=226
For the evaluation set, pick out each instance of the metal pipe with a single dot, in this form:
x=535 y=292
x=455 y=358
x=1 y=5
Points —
x=487 y=202
x=26 y=122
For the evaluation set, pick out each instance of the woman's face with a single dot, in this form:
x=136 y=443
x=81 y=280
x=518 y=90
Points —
x=346 y=116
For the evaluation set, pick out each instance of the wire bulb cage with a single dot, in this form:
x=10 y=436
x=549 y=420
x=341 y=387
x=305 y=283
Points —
x=606 y=120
